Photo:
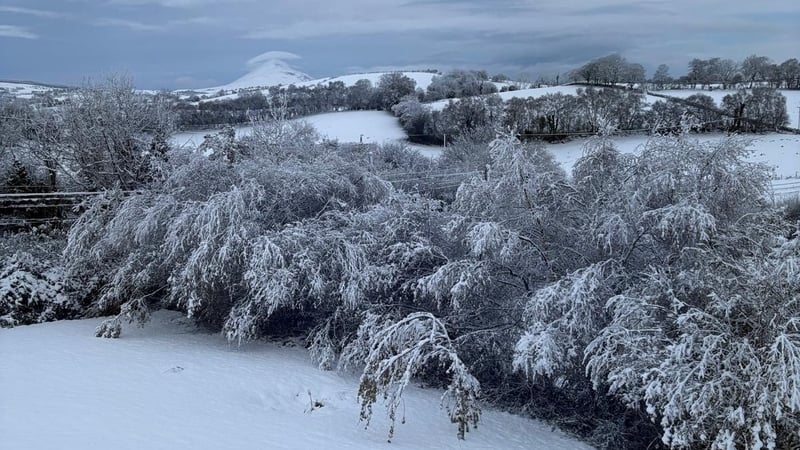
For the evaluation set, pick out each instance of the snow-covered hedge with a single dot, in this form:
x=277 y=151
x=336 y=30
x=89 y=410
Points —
x=665 y=280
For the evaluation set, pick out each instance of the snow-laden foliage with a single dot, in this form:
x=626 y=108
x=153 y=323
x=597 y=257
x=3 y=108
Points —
x=189 y=245
x=664 y=279
x=677 y=308
x=401 y=350
x=260 y=245
x=32 y=291
x=711 y=349
x=562 y=316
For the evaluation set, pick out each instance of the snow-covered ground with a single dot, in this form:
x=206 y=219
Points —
x=358 y=126
x=169 y=386
x=780 y=151
x=376 y=127
x=792 y=99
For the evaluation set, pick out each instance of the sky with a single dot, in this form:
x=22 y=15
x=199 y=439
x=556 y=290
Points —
x=170 y=44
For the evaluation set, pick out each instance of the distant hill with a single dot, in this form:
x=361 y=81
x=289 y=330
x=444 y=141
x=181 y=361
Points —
x=26 y=89
x=422 y=78
x=265 y=70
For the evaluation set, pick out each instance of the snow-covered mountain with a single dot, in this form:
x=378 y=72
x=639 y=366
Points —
x=264 y=70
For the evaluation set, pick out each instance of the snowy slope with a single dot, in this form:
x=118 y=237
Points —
x=24 y=90
x=168 y=386
x=423 y=79
x=268 y=73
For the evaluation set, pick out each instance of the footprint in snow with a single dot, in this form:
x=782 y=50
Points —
x=176 y=369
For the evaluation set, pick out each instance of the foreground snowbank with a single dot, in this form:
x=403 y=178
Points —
x=168 y=386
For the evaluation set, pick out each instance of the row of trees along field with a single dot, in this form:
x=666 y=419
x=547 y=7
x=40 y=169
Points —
x=641 y=302
x=557 y=116
x=753 y=71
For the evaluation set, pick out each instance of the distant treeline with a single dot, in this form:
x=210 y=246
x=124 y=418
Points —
x=557 y=116
x=753 y=71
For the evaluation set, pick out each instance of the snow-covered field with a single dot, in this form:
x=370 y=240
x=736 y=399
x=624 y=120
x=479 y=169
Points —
x=376 y=127
x=24 y=90
x=169 y=386
x=780 y=151
x=351 y=126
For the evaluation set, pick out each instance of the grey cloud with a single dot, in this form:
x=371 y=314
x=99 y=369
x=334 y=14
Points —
x=13 y=31
x=32 y=12
x=212 y=39
x=129 y=24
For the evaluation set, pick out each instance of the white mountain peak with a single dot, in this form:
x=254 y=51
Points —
x=269 y=69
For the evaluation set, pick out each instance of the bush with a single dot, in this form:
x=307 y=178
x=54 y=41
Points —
x=657 y=288
x=32 y=291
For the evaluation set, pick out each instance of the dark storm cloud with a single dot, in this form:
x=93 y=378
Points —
x=167 y=43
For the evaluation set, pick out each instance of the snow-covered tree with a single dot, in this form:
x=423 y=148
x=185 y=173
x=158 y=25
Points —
x=392 y=87
x=675 y=246
x=112 y=134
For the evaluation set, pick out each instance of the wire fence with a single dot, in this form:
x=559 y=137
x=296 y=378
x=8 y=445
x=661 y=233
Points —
x=787 y=189
x=30 y=209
